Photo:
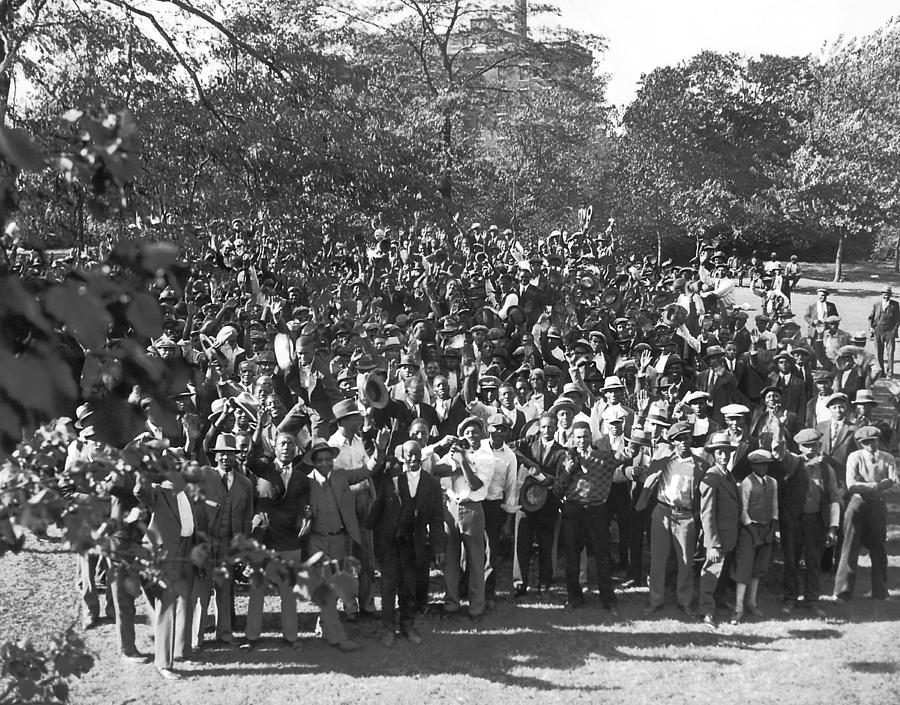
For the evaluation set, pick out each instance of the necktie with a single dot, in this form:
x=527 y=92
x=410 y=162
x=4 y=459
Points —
x=225 y=483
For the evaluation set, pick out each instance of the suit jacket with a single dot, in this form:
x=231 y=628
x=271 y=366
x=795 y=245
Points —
x=164 y=528
x=550 y=465
x=885 y=321
x=811 y=315
x=321 y=392
x=280 y=510
x=855 y=381
x=723 y=391
x=720 y=510
x=756 y=375
x=793 y=393
x=837 y=451
x=346 y=501
x=740 y=466
x=428 y=535
x=215 y=495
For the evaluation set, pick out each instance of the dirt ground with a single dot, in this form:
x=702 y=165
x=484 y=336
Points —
x=530 y=651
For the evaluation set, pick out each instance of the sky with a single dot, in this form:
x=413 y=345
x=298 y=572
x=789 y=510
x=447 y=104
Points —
x=644 y=34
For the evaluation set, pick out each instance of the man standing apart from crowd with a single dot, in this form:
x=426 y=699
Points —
x=883 y=323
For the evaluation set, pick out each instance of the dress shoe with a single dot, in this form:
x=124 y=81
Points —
x=348 y=645
x=249 y=645
x=737 y=617
x=788 y=608
x=289 y=644
x=709 y=620
x=520 y=592
x=413 y=636
x=227 y=641
x=755 y=611
x=170 y=675
x=627 y=584
x=90 y=622
x=387 y=638
x=135 y=657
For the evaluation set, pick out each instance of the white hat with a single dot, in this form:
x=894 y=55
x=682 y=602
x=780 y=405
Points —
x=612 y=382
x=734 y=410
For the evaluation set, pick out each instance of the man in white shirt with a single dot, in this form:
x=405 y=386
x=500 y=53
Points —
x=501 y=502
x=352 y=456
x=466 y=471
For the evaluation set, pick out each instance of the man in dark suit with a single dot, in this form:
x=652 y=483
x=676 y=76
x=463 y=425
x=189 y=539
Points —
x=755 y=378
x=720 y=514
x=173 y=520
x=718 y=382
x=734 y=363
x=227 y=511
x=736 y=418
x=837 y=436
x=281 y=522
x=793 y=389
x=531 y=300
x=883 y=322
x=310 y=378
x=542 y=459
x=417 y=408
x=407 y=520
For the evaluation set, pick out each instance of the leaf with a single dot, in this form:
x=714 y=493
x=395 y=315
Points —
x=82 y=313
x=144 y=315
x=20 y=150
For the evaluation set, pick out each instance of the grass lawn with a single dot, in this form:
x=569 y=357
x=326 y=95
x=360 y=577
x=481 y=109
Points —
x=526 y=652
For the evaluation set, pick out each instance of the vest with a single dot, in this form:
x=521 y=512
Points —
x=221 y=527
x=759 y=506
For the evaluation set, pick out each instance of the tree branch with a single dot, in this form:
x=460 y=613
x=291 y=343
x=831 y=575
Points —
x=232 y=37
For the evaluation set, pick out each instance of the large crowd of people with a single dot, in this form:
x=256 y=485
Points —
x=496 y=410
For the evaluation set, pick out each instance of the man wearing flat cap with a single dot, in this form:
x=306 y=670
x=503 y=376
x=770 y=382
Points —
x=871 y=473
x=674 y=482
x=809 y=516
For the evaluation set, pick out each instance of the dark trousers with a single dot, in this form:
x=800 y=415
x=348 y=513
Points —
x=638 y=529
x=586 y=525
x=494 y=519
x=126 y=586
x=884 y=349
x=803 y=536
x=398 y=581
x=713 y=582
x=618 y=508
x=542 y=526
x=865 y=524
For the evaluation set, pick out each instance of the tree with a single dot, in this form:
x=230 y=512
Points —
x=844 y=179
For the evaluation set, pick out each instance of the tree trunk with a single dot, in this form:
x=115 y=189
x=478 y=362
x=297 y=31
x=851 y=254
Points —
x=897 y=252
x=445 y=187
x=658 y=247
x=839 y=260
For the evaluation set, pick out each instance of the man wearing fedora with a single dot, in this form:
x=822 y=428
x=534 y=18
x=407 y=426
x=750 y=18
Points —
x=227 y=512
x=793 y=389
x=334 y=528
x=358 y=463
x=884 y=319
x=871 y=473
x=720 y=513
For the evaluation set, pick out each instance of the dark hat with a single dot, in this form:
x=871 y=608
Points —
x=533 y=495
x=317 y=447
x=682 y=428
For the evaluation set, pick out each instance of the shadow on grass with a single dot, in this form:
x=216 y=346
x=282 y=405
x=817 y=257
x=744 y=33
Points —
x=815 y=633
x=497 y=653
x=873 y=667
